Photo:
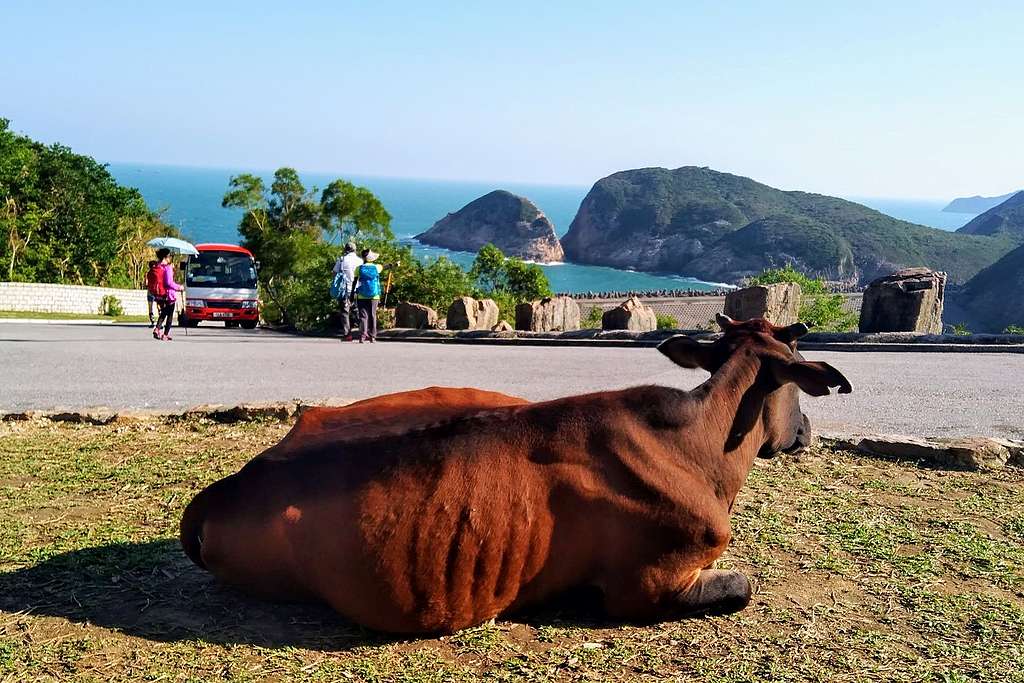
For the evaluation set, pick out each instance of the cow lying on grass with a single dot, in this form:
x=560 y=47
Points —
x=460 y=505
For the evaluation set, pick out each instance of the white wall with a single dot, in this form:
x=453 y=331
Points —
x=48 y=298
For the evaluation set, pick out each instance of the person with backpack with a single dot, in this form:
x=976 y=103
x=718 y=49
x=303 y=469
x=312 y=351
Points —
x=367 y=292
x=151 y=277
x=345 y=277
x=164 y=289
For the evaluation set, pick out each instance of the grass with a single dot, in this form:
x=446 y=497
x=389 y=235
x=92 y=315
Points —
x=36 y=315
x=864 y=570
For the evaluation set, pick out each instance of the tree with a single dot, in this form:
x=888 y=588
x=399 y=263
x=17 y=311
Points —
x=819 y=309
x=352 y=212
x=295 y=234
x=507 y=280
x=63 y=217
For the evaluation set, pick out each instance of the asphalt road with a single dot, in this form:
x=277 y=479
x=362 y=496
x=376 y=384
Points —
x=77 y=366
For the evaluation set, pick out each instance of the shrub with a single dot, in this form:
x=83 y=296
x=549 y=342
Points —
x=111 y=305
x=959 y=329
x=435 y=283
x=1014 y=329
x=667 y=322
x=592 y=320
x=385 y=318
x=509 y=281
x=819 y=309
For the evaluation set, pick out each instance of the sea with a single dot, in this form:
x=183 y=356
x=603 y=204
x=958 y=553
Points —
x=190 y=197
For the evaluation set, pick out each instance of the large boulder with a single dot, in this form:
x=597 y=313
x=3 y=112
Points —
x=510 y=222
x=467 y=313
x=778 y=303
x=909 y=300
x=415 y=316
x=631 y=314
x=552 y=314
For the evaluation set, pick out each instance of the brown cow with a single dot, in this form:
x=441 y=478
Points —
x=449 y=524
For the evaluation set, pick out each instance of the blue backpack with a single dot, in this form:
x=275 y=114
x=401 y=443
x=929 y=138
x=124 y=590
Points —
x=369 y=281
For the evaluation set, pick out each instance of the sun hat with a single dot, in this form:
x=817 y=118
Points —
x=350 y=246
x=371 y=256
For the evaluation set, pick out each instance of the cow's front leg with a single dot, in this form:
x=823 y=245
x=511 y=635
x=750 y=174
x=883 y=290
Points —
x=703 y=591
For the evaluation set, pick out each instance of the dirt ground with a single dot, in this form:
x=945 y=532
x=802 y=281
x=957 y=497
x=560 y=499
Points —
x=865 y=570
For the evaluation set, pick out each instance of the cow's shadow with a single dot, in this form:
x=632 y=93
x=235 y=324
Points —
x=151 y=590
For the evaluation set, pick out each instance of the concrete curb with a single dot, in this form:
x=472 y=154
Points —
x=59 y=321
x=953 y=453
x=895 y=342
x=244 y=412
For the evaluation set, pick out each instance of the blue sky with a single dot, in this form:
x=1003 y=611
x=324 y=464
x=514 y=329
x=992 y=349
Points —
x=898 y=99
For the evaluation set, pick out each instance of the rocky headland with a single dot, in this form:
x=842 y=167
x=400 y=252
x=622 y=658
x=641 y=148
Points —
x=510 y=222
x=721 y=227
x=975 y=204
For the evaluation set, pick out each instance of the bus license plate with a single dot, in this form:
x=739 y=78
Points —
x=221 y=314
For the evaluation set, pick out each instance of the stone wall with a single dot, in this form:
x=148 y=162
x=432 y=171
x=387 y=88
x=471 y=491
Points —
x=41 y=297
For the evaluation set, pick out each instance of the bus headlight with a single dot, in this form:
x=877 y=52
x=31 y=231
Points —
x=249 y=304
x=195 y=303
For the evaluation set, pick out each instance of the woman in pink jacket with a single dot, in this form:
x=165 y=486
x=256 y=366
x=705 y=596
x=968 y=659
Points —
x=168 y=301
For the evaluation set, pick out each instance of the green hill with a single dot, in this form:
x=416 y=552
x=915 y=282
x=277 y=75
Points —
x=995 y=296
x=1005 y=219
x=718 y=226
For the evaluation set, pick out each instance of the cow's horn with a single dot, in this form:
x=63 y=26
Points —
x=724 y=321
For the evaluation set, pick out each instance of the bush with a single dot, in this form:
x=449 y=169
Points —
x=509 y=281
x=667 y=322
x=819 y=309
x=385 y=318
x=592 y=320
x=959 y=330
x=1014 y=329
x=435 y=283
x=111 y=305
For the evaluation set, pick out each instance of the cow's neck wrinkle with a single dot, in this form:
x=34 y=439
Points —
x=732 y=406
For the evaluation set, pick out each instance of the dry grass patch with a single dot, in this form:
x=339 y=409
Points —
x=865 y=570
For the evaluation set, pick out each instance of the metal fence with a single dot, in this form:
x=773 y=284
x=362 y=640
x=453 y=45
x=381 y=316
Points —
x=693 y=312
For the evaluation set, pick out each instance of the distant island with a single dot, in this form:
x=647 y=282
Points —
x=510 y=222
x=721 y=227
x=975 y=204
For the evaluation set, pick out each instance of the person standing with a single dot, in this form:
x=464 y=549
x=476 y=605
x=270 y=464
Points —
x=367 y=291
x=153 y=276
x=346 y=265
x=167 y=302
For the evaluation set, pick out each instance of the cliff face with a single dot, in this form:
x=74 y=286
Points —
x=511 y=223
x=1006 y=218
x=721 y=227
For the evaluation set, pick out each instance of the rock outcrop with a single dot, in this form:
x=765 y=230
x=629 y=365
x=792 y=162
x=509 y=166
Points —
x=632 y=315
x=721 y=228
x=510 y=222
x=909 y=300
x=553 y=314
x=467 y=313
x=415 y=316
x=778 y=304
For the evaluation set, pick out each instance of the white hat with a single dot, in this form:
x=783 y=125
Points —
x=372 y=256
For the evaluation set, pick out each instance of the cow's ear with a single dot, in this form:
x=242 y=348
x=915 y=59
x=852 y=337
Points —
x=791 y=333
x=686 y=352
x=812 y=377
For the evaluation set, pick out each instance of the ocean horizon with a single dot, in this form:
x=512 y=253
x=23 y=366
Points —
x=190 y=197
